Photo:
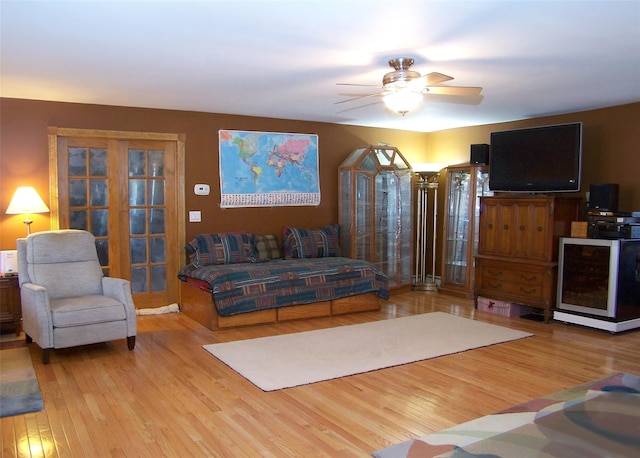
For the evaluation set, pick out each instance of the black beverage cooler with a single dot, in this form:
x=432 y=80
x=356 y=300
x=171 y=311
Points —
x=599 y=283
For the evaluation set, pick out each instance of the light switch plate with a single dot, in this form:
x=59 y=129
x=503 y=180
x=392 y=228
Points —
x=202 y=189
x=195 y=216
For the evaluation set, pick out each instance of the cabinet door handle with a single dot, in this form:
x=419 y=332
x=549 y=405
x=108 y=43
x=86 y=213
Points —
x=524 y=277
x=495 y=285
x=528 y=291
x=522 y=228
x=506 y=227
x=539 y=228
x=494 y=273
x=490 y=226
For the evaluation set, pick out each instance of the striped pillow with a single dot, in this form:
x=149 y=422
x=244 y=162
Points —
x=214 y=249
x=311 y=243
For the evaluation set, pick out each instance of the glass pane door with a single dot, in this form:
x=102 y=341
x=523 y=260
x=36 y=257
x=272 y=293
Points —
x=124 y=191
x=89 y=200
x=147 y=227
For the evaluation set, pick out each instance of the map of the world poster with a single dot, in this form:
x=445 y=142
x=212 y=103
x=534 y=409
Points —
x=267 y=169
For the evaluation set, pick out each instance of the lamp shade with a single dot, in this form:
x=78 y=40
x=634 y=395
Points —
x=26 y=200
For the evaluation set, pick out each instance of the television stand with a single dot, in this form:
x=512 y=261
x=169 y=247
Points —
x=517 y=258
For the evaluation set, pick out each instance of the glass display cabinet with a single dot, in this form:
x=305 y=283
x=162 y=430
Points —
x=375 y=186
x=465 y=184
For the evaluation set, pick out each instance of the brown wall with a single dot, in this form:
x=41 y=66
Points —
x=611 y=151
x=24 y=159
x=611 y=146
x=610 y=155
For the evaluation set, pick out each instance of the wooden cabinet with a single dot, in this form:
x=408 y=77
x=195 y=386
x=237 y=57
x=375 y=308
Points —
x=465 y=184
x=10 y=310
x=530 y=284
x=523 y=227
x=518 y=243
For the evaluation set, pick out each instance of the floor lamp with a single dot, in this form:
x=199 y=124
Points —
x=426 y=181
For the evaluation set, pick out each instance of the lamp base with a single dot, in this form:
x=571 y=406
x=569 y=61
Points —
x=425 y=287
x=27 y=223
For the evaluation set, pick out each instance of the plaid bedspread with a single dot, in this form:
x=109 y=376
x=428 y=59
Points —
x=245 y=287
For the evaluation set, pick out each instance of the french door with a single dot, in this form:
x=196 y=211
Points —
x=126 y=188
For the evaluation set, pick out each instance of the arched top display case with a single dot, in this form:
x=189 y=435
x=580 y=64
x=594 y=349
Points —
x=375 y=210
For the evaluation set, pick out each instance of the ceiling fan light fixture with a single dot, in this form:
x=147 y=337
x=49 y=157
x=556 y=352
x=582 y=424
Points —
x=401 y=74
x=402 y=101
x=403 y=89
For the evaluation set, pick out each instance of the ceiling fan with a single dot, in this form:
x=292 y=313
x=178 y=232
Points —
x=403 y=88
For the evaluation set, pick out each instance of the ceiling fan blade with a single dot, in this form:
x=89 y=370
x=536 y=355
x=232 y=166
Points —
x=465 y=91
x=358 y=98
x=433 y=78
x=359 y=107
x=355 y=84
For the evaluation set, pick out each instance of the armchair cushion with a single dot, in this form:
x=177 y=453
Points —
x=83 y=310
x=68 y=254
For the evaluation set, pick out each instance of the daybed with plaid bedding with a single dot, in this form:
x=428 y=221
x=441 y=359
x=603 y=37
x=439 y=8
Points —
x=248 y=281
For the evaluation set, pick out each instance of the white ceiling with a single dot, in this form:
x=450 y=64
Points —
x=282 y=59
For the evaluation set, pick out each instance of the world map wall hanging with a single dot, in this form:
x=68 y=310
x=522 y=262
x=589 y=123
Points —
x=268 y=169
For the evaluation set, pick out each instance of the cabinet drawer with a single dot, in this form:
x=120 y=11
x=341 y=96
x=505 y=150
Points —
x=512 y=289
x=525 y=277
x=520 y=290
x=523 y=283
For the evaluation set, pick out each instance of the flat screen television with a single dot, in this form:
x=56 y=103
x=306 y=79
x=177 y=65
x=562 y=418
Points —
x=536 y=160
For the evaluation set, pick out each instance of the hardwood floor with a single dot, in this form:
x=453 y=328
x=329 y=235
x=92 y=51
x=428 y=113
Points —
x=171 y=398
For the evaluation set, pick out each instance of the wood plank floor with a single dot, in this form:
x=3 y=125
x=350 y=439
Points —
x=171 y=398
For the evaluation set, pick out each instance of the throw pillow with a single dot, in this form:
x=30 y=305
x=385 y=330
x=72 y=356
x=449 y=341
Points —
x=311 y=243
x=266 y=247
x=213 y=249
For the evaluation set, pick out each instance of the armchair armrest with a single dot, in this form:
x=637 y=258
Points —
x=120 y=290
x=36 y=314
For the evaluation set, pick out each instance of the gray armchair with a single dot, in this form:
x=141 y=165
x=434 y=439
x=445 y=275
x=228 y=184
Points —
x=66 y=301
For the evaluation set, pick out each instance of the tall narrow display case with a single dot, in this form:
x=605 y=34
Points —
x=464 y=186
x=375 y=187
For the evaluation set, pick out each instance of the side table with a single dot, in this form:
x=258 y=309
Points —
x=10 y=307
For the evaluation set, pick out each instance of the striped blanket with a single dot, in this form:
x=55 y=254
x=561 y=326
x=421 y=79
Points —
x=246 y=287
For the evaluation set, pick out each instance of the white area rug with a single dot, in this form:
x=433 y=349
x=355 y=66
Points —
x=284 y=361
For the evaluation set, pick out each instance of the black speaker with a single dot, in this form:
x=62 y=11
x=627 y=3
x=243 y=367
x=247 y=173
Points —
x=604 y=197
x=479 y=154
